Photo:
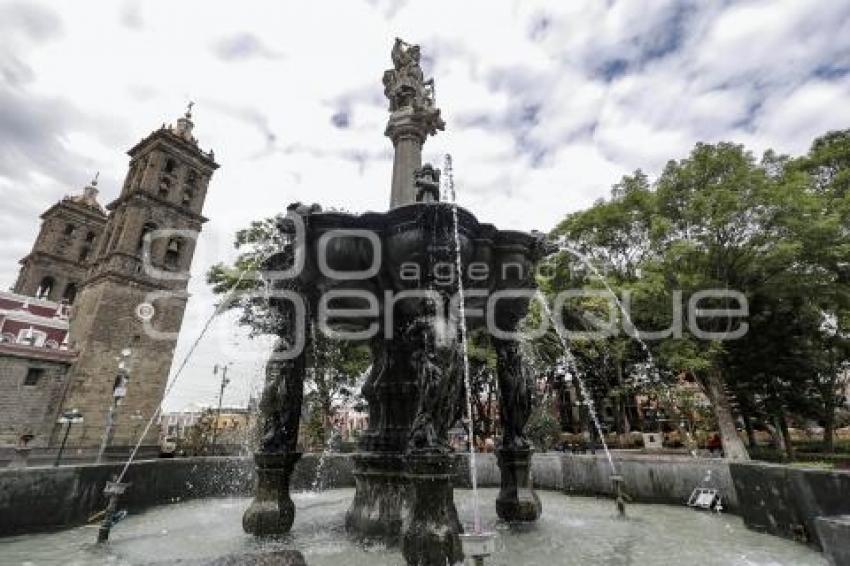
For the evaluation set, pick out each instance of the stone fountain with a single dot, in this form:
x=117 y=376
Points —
x=390 y=278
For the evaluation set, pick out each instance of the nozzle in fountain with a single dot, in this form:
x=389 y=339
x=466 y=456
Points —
x=113 y=490
x=478 y=546
x=617 y=481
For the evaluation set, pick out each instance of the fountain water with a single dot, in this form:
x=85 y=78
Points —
x=114 y=489
x=476 y=544
x=573 y=367
x=631 y=329
x=316 y=486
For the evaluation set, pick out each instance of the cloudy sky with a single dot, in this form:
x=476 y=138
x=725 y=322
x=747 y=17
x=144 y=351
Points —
x=546 y=106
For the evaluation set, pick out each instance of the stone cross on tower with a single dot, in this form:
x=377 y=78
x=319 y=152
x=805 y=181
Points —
x=413 y=117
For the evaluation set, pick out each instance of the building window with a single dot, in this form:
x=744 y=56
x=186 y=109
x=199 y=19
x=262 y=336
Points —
x=170 y=166
x=164 y=187
x=32 y=337
x=33 y=376
x=90 y=236
x=45 y=287
x=146 y=229
x=172 y=253
x=70 y=293
x=188 y=196
x=189 y=188
x=69 y=229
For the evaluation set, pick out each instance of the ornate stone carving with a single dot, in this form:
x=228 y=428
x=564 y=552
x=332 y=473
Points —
x=426 y=179
x=280 y=404
x=413 y=117
x=431 y=533
x=405 y=85
x=515 y=387
x=438 y=367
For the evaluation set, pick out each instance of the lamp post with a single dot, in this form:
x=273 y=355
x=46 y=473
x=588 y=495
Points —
x=137 y=419
x=224 y=382
x=68 y=418
x=119 y=391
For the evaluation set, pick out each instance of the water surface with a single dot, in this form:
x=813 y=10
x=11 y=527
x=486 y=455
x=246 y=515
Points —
x=576 y=531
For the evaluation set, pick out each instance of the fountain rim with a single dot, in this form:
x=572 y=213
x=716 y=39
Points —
x=398 y=218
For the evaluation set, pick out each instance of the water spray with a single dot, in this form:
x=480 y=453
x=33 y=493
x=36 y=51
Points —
x=477 y=544
x=562 y=245
x=616 y=479
x=114 y=489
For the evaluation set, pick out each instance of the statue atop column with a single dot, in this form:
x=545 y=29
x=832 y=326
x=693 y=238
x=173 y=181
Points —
x=405 y=86
x=413 y=117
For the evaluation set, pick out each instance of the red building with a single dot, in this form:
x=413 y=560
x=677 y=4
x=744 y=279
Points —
x=34 y=362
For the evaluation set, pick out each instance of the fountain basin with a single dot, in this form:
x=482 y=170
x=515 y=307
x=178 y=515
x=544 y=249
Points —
x=571 y=531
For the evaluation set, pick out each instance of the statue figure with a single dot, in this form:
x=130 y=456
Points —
x=280 y=404
x=515 y=386
x=406 y=88
x=426 y=179
x=437 y=367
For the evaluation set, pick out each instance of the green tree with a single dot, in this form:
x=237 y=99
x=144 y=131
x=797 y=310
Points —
x=199 y=435
x=543 y=429
x=715 y=220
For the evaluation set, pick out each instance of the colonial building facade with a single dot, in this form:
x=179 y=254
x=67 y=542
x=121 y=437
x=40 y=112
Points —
x=119 y=275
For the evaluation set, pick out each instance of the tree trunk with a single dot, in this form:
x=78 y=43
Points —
x=751 y=433
x=776 y=441
x=829 y=428
x=618 y=415
x=829 y=434
x=733 y=447
x=786 y=435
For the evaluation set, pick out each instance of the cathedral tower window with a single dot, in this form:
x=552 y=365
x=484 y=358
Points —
x=69 y=229
x=70 y=293
x=164 y=187
x=146 y=229
x=170 y=166
x=45 y=287
x=173 y=252
x=188 y=196
x=189 y=188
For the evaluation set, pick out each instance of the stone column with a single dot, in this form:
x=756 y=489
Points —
x=272 y=512
x=382 y=490
x=517 y=500
x=381 y=498
x=407 y=135
x=431 y=533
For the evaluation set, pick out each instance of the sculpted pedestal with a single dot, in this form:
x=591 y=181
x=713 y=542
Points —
x=272 y=512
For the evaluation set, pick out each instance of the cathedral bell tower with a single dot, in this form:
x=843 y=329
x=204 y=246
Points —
x=64 y=248
x=134 y=296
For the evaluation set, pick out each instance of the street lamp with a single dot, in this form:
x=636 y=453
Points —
x=119 y=391
x=137 y=418
x=68 y=418
x=224 y=382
